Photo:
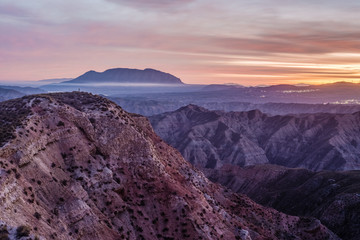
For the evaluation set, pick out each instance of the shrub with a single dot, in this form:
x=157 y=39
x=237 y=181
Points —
x=37 y=215
x=22 y=231
x=4 y=234
x=60 y=123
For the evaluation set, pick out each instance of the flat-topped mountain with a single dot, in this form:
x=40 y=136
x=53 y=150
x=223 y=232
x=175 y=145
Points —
x=76 y=166
x=210 y=139
x=126 y=75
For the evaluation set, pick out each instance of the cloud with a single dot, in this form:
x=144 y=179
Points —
x=309 y=42
x=153 y=4
x=284 y=70
x=11 y=10
x=321 y=41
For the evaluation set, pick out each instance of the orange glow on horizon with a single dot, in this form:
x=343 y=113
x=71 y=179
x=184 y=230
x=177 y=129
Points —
x=245 y=43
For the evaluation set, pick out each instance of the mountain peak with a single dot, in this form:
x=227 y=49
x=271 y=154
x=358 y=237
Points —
x=192 y=107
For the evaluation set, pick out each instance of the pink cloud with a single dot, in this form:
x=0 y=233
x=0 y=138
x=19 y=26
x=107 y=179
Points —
x=188 y=44
x=155 y=4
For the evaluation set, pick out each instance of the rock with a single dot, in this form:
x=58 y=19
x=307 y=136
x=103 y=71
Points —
x=244 y=235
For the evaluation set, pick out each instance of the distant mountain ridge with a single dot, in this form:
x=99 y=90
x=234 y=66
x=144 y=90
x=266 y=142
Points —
x=126 y=75
x=149 y=106
x=210 y=139
x=10 y=92
x=24 y=90
x=6 y=94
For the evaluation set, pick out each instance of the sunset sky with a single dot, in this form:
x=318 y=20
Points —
x=248 y=42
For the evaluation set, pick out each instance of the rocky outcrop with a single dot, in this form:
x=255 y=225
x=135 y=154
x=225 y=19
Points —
x=126 y=75
x=332 y=197
x=210 y=139
x=22 y=232
x=79 y=167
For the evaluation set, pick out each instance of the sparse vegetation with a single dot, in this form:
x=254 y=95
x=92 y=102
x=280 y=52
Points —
x=12 y=114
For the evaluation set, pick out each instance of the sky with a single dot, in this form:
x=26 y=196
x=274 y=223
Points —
x=248 y=42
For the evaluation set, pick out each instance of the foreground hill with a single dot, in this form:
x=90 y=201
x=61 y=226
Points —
x=126 y=75
x=210 y=139
x=76 y=166
x=332 y=197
